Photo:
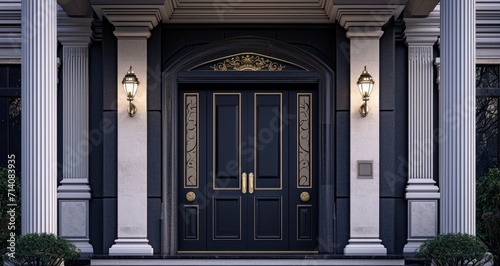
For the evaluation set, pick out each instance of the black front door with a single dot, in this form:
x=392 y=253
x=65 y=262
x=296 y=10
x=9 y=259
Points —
x=247 y=168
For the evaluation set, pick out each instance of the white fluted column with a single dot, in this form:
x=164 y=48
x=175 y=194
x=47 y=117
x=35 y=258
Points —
x=74 y=192
x=39 y=117
x=421 y=192
x=457 y=99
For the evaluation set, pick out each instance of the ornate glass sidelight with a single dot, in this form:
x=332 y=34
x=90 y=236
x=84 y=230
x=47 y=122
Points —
x=304 y=141
x=191 y=138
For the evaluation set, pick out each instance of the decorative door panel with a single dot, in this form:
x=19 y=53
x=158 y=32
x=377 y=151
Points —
x=226 y=141
x=247 y=161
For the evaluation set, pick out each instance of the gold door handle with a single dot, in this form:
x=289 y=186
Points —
x=250 y=183
x=244 y=183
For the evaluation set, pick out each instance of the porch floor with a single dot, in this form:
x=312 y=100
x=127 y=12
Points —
x=247 y=260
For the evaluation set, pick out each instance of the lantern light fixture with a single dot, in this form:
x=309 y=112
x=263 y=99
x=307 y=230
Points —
x=365 y=86
x=130 y=84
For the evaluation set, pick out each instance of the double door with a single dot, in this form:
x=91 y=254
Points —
x=247 y=176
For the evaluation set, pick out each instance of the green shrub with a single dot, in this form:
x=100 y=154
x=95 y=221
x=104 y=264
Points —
x=455 y=249
x=488 y=211
x=43 y=249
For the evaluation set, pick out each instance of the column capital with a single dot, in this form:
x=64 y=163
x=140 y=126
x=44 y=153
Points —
x=364 y=32
x=132 y=21
x=73 y=31
x=423 y=31
x=366 y=15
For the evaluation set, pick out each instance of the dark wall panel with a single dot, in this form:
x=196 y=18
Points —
x=60 y=116
x=392 y=178
x=393 y=225
x=96 y=227
x=343 y=70
x=387 y=65
x=154 y=224
x=266 y=33
x=342 y=225
x=154 y=69
x=109 y=224
x=154 y=154
x=316 y=39
x=176 y=38
x=103 y=224
x=436 y=121
x=96 y=126
x=110 y=154
x=343 y=172
x=401 y=116
x=109 y=63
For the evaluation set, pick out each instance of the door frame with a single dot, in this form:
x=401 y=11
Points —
x=307 y=69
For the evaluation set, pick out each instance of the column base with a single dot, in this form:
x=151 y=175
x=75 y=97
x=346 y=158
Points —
x=365 y=246
x=131 y=246
x=412 y=246
x=83 y=245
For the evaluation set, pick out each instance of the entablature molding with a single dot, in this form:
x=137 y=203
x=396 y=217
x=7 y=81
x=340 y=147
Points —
x=423 y=31
x=132 y=21
x=132 y=15
x=426 y=30
x=73 y=31
x=365 y=15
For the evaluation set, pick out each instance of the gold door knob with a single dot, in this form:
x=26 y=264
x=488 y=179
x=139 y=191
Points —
x=190 y=196
x=251 y=183
x=305 y=197
x=244 y=183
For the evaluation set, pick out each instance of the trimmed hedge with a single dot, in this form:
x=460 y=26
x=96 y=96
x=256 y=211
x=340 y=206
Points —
x=455 y=249
x=488 y=211
x=43 y=250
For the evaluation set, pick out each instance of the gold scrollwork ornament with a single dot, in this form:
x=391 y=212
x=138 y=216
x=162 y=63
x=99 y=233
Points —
x=190 y=196
x=305 y=197
x=247 y=62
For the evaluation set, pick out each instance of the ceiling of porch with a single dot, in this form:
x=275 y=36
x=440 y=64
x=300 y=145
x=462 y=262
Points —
x=249 y=11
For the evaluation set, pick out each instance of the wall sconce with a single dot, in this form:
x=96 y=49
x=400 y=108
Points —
x=365 y=86
x=130 y=84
